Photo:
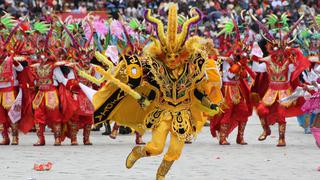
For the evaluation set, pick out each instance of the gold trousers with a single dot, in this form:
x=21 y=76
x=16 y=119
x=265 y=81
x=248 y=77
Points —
x=158 y=141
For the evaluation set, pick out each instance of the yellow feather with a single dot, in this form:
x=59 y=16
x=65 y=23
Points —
x=153 y=49
x=160 y=28
x=172 y=28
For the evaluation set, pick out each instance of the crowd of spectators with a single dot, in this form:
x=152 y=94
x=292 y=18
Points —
x=212 y=9
x=135 y=8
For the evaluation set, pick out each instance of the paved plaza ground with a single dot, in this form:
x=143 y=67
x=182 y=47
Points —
x=202 y=160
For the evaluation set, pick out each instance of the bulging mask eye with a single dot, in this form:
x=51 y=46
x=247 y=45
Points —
x=275 y=48
x=244 y=54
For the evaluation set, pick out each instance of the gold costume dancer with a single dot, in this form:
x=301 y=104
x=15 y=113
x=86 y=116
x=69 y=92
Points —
x=177 y=86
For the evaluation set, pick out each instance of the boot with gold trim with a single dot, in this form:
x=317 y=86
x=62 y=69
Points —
x=86 y=134
x=266 y=130
x=136 y=153
x=57 y=134
x=241 y=128
x=224 y=128
x=114 y=132
x=5 y=135
x=139 y=139
x=73 y=134
x=40 y=128
x=15 y=134
x=163 y=169
x=282 y=131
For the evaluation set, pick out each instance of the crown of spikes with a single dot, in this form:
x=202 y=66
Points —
x=278 y=24
x=44 y=30
x=229 y=27
x=8 y=25
x=172 y=41
x=84 y=51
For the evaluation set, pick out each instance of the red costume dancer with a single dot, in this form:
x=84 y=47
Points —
x=235 y=89
x=83 y=116
x=8 y=91
x=283 y=65
x=8 y=83
x=26 y=83
x=26 y=77
x=46 y=102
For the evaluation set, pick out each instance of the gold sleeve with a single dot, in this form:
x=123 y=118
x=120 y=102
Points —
x=211 y=85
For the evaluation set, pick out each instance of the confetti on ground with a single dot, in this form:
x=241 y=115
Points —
x=42 y=167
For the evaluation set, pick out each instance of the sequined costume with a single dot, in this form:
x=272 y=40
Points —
x=235 y=71
x=165 y=90
x=9 y=67
x=283 y=66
